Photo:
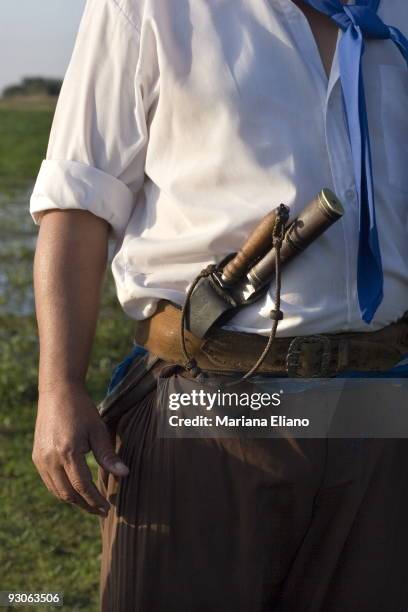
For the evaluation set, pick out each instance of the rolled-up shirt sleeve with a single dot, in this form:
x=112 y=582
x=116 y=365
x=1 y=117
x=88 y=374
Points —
x=97 y=146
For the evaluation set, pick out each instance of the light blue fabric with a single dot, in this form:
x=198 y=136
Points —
x=122 y=368
x=359 y=22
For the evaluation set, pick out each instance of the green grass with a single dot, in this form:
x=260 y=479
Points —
x=44 y=545
x=23 y=141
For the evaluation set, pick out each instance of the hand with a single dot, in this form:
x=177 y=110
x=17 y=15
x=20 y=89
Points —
x=68 y=427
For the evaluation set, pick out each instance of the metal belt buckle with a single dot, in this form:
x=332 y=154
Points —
x=295 y=350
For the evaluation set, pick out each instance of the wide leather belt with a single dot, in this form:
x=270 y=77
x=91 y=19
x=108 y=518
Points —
x=321 y=355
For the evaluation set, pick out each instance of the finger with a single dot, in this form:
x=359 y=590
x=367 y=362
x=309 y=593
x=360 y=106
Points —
x=47 y=480
x=80 y=477
x=66 y=493
x=105 y=455
x=45 y=477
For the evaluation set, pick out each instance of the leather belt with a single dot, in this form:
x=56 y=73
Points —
x=321 y=355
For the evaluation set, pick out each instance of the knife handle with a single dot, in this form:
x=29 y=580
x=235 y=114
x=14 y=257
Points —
x=259 y=241
x=320 y=214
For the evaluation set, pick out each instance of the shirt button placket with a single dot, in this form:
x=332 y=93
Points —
x=339 y=154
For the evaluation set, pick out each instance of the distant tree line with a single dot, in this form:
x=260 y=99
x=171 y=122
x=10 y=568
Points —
x=30 y=86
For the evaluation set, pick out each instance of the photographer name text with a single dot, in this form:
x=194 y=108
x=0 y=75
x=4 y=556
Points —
x=242 y=421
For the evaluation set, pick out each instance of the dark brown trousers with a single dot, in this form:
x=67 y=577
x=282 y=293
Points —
x=254 y=525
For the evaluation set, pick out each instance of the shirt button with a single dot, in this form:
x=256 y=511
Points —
x=350 y=195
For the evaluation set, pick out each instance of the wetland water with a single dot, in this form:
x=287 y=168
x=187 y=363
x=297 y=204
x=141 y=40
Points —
x=17 y=243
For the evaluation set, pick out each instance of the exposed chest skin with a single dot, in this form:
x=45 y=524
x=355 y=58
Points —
x=324 y=30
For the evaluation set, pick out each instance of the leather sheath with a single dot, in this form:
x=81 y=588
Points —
x=303 y=356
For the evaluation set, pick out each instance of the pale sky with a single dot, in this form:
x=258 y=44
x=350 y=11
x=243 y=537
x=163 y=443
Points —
x=36 y=37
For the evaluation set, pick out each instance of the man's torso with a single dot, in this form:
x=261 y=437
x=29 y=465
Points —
x=242 y=116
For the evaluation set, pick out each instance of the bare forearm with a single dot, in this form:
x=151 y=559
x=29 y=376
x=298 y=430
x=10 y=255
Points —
x=69 y=267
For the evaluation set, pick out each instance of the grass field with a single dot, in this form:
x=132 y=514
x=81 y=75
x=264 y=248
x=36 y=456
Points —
x=24 y=130
x=44 y=545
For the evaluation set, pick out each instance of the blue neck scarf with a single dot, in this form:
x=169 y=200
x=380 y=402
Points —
x=359 y=22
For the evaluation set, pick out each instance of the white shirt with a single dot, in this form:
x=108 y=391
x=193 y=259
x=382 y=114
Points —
x=182 y=123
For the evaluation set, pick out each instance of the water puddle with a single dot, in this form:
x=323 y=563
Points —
x=18 y=235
